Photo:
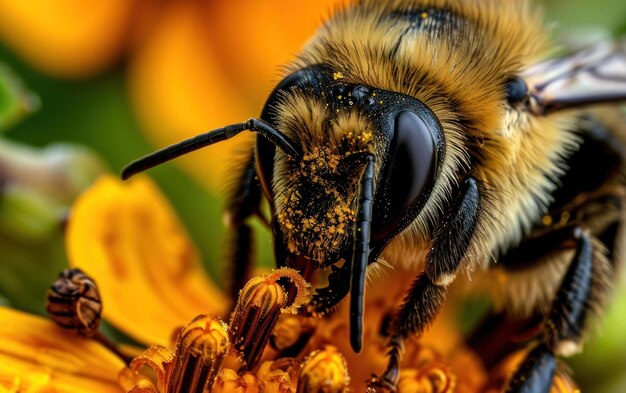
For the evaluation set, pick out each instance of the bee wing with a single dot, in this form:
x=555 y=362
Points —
x=593 y=75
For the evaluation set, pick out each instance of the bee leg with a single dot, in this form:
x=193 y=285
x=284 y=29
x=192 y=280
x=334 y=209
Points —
x=389 y=380
x=243 y=202
x=580 y=292
x=451 y=240
x=424 y=299
x=239 y=256
x=535 y=373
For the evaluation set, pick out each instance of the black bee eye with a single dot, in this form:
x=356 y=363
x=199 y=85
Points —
x=413 y=158
x=410 y=171
x=516 y=90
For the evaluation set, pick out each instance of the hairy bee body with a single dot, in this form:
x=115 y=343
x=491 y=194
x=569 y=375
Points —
x=590 y=193
x=457 y=58
x=454 y=57
x=427 y=135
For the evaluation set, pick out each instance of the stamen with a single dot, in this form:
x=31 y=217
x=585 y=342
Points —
x=260 y=304
x=291 y=334
x=149 y=372
x=228 y=381
x=73 y=302
x=279 y=375
x=202 y=346
x=324 y=371
x=435 y=378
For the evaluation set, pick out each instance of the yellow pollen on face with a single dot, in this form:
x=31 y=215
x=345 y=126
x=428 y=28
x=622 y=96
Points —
x=315 y=222
x=337 y=75
x=546 y=220
x=366 y=137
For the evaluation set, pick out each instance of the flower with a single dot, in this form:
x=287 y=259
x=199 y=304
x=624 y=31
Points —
x=127 y=239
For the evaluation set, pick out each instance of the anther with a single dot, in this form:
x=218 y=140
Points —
x=73 y=302
x=229 y=381
x=279 y=375
x=291 y=334
x=201 y=348
x=431 y=378
x=260 y=303
x=325 y=370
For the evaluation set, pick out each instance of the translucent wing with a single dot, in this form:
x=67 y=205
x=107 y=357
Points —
x=593 y=75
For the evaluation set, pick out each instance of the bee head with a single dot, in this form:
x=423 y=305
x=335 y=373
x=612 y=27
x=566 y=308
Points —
x=334 y=123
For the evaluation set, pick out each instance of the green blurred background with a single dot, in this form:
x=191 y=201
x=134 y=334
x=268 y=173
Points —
x=99 y=111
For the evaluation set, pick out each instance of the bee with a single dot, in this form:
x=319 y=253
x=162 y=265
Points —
x=436 y=124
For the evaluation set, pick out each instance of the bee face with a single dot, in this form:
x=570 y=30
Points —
x=335 y=123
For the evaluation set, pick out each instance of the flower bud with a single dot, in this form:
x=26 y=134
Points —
x=260 y=303
x=202 y=346
x=73 y=302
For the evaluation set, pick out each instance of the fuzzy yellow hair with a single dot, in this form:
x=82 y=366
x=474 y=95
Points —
x=456 y=59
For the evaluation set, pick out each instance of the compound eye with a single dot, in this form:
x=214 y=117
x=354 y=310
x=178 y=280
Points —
x=265 y=152
x=516 y=90
x=413 y=158
x=410 y=172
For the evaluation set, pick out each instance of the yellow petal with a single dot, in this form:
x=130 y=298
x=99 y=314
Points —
x=70 y=38
x=179 y=91
x=126 y=236
x=252 y=52
x=36 y=355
